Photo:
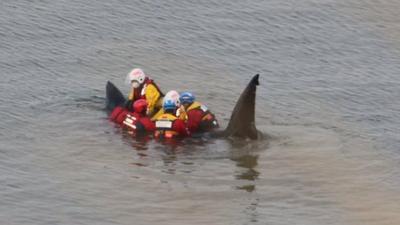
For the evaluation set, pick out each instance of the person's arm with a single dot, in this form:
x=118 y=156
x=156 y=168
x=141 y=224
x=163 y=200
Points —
x=152 y=96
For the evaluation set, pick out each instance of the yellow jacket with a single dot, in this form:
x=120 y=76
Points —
x=196 y=105
x=180 y=113
x=152 y=95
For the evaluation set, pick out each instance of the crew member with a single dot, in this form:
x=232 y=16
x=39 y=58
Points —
x=167 y=124
x=142 y=87
x=174 y=96
x=137 y=121
x=199 y=118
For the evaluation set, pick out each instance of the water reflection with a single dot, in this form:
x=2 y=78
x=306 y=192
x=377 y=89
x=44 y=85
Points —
x=170 y=161
x=247 y=164
x=177 y=154
x=140 y=143
x=245 y=154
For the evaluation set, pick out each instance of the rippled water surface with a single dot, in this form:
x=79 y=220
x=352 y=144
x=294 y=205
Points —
x=328 y=105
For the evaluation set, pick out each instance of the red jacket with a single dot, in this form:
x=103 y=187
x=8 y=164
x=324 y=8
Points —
x=132 y=121
x=138 y=123
x=194 y=118
x=199 y=118
x=180 y=127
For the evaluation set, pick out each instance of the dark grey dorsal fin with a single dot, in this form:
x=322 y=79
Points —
x=114 y=97
x=242 y=119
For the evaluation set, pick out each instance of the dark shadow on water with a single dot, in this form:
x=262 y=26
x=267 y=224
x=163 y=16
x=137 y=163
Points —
x=177 y=154
x=245 y=154
x=170 y=161
x=247 y=164
x=140 y=143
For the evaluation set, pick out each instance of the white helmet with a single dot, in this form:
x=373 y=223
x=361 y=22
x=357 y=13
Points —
x=174 y=96
x=136 y=77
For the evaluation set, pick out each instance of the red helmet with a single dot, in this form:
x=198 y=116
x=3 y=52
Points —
x=140 y=105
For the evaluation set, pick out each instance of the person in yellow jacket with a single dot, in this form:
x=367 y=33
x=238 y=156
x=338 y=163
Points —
x=180 y=111
x=198 y=117
x=168 y=126
x=142 y=87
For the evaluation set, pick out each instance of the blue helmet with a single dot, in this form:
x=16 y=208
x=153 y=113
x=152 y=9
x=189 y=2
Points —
x=169 y=104
x=186 y=98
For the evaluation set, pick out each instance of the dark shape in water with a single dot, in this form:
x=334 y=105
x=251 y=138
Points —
x=242 y=119
x=114 y=97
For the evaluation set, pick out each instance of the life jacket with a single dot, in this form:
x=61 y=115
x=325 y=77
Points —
x=164 y=126
x=180 y=113
x=207 y=115
x=140 y=93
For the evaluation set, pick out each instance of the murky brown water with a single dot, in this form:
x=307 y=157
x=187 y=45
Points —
x=328 y=104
